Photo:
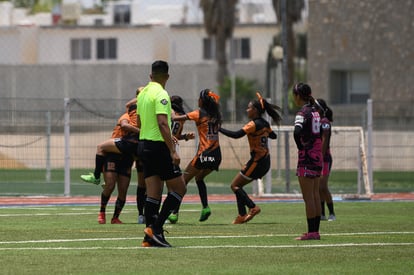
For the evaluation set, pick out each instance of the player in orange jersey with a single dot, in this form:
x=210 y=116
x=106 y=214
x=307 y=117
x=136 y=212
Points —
x=208 y=157
x=258 y=132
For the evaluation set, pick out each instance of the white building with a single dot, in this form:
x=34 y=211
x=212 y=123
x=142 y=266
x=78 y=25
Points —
x=135 y=12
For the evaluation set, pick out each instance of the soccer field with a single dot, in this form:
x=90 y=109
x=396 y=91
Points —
x=367 y=238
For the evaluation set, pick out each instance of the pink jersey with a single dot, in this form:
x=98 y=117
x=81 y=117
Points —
x=310 y=159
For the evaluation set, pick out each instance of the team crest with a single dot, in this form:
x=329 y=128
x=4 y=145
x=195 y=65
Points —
x=164 y=101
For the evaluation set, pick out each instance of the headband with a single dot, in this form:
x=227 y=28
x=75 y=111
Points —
x=213 y=95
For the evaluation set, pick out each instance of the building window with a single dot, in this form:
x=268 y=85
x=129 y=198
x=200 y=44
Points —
x=122 y=14
x=349 y=86
x=80 y=49
x=106 y=48
x=99 y=22
x=209 y=49
x=240 y=48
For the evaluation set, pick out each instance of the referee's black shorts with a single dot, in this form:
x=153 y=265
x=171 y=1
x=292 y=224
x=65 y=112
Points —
x=156 y=160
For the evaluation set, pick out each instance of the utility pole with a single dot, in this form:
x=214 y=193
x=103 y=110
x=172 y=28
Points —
x=285 y=92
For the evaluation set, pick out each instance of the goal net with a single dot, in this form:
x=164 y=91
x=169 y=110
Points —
x=349 y=174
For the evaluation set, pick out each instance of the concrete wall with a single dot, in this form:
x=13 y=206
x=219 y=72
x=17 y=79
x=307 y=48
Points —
x=377 y=34
x=117 y=82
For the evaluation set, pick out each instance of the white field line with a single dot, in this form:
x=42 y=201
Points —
x=199 y=237
x=212 y=246
x=78 y=213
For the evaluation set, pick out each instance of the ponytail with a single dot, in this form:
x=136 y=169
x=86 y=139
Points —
x=272 y=110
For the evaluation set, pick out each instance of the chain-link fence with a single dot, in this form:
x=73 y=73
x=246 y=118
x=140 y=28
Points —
x=33 y=147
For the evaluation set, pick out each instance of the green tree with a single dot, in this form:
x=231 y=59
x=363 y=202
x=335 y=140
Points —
x=219 y=17
x=246 y=91
x=36 y=6
x=294 y=10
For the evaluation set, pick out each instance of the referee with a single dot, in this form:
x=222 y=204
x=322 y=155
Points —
x=157 y=151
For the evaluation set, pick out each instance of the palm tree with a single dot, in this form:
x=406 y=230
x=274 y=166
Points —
x=219 y=17
x=293 y=14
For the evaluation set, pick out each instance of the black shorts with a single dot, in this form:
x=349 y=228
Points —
x=256 y=169
x=118 y=163
x=157 y=160
x=138 y=166
x=126 y=147
x=207 y=160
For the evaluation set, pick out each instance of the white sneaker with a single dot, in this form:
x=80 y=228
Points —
x=331 y=218
x=323 y=218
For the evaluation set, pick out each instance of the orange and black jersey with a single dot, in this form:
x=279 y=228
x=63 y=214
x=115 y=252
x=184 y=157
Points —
x=132 y=113
x=131 y=117
x=118 y=132
x=207 y=131
x=258 y=131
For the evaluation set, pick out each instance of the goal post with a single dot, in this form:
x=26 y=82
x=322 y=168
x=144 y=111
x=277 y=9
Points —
x=348 y=153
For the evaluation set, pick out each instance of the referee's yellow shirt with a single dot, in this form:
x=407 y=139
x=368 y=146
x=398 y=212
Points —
x=151 y=101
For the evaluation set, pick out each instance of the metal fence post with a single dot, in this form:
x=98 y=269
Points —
x=67 y=145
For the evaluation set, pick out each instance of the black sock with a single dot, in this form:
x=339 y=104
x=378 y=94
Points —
x=104 y=202
x=151 y=210
x=202 y=191
x=331 y=208
x=322 y=208
x=311 y=224
x=241 y=208
x=141 y=196
x=171 y=202
x=176 y=210
x=119 y=205
x=245 y=198
x=99 y=163
x=317 y=223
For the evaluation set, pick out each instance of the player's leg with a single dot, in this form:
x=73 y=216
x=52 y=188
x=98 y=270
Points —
x=202 y=192
x=110 y=180
x=141 y=193
x=237 y=187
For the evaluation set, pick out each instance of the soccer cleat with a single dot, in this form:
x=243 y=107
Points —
x=141 y=219
x=147 y=242
x=323 y=218
x=309 y=236
x=331 y=218
x=173 y=218
x=205 y=213
x=90 y=178
x=116 y=221
x=252 y=212
x=156 y=237
x=239 y=219
x=101 y=218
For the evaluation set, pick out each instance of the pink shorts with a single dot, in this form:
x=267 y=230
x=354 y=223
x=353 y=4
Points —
x=326 y=168
x=303 y=171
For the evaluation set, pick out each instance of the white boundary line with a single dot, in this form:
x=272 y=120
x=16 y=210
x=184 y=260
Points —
x=212 y=246
x=201 y=237
x=127 y=211
x=308 y=245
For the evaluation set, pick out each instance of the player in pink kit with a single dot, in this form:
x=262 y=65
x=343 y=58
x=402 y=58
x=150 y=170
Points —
x=307 y=136
x=326 y=131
